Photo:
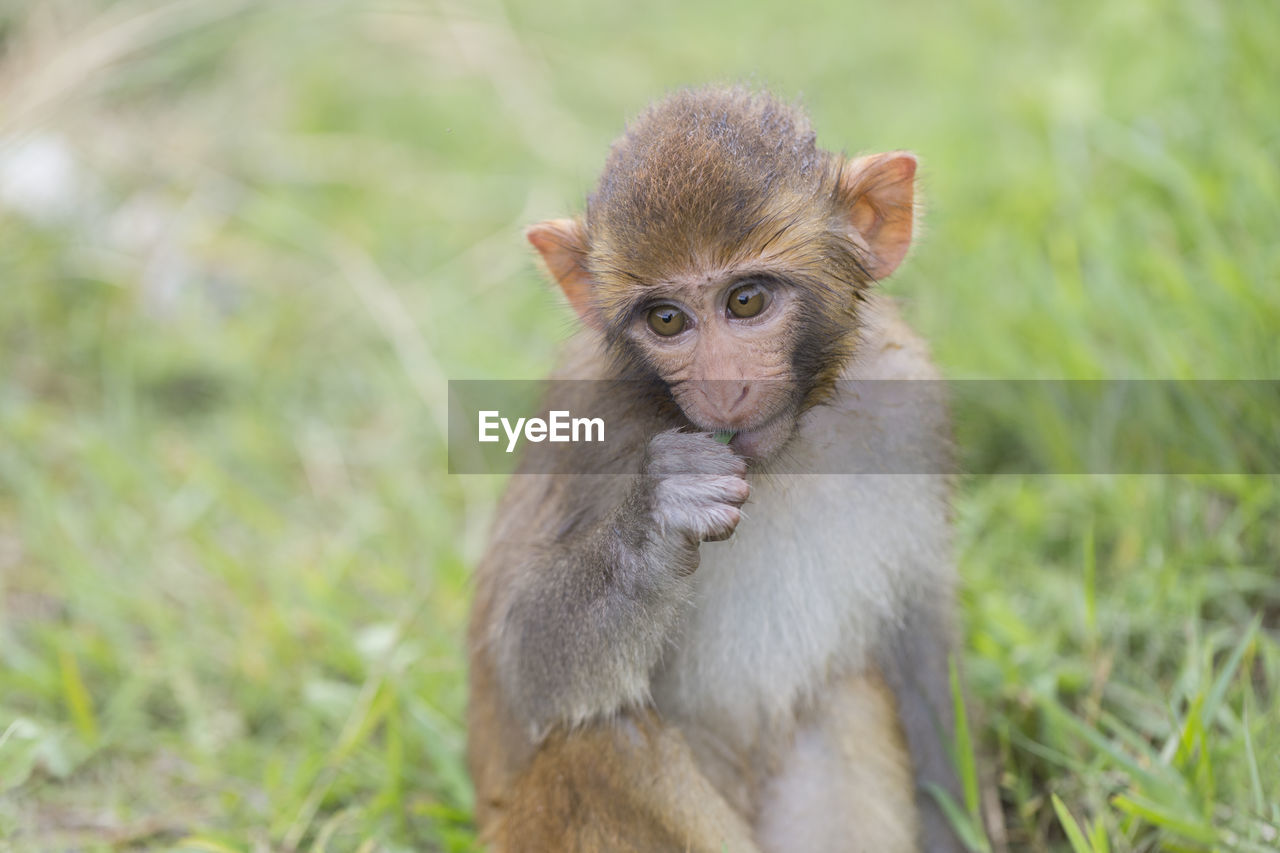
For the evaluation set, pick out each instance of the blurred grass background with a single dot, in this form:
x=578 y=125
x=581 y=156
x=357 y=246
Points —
x=243 y=245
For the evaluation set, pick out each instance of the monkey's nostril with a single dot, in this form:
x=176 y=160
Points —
x=741 y=397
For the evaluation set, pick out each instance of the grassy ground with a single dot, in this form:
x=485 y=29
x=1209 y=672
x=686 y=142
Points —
x=259 y=237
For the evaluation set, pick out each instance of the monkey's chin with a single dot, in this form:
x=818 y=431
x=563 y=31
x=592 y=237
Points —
x=765 y=440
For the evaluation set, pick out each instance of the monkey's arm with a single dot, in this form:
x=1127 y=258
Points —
x=916 y=665
x=580 y=619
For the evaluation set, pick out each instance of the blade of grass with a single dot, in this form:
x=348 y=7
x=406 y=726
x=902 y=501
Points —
x=1177 y=745
x=1098 y=836
x=76 y=695
x=1168 y=788
x=1160 y=815
x=965 y=764
x=1079 y=843
x=1251 y=759
x=1219 y=690
x=971 y=834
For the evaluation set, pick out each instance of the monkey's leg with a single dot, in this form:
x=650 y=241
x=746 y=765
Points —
x=846 y=785
x=629 y=784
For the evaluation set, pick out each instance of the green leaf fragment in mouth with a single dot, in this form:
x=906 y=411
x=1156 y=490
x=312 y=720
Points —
x=724 y=435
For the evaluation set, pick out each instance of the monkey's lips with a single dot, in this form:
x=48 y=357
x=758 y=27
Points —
x=762 y=441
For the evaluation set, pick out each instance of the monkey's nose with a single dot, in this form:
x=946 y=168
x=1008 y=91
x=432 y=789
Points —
x=727 y=400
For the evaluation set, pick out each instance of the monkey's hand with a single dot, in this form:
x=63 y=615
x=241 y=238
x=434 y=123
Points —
x=697 y=486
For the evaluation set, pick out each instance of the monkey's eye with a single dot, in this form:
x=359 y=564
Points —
x=748 y=300
x=667 y=320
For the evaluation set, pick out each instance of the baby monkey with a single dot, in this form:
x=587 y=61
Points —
x=651 y=667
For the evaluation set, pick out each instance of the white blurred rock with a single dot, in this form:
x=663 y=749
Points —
x=40 y=178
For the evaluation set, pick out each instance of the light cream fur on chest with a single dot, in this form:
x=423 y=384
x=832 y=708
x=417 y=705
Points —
x=820 y=561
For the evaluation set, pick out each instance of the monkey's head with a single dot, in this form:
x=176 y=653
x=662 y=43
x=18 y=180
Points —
x=726 y=255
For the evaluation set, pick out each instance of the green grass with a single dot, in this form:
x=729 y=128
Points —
x=233 y=573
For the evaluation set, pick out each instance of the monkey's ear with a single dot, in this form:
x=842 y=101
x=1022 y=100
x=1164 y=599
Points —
x=878 y=191
x=562 y=243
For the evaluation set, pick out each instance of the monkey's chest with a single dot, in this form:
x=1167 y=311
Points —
x=796 y=597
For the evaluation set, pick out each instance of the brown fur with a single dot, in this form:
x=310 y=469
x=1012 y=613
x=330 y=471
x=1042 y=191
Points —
x=728 y=182
x=574 y=613
x=856 y=732
x=628 y=783
x=633 y=783
x=625 y=784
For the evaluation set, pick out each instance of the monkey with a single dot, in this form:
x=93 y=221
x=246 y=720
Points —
x=737 y=646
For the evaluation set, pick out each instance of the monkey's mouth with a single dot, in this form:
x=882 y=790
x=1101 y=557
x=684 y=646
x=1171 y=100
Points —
x=755 y=430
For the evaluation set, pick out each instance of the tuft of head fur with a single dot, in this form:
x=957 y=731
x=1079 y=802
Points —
x=702 y=179
x=698 y=172
x=718 y=179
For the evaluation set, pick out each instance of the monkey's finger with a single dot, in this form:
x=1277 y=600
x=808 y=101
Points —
x=721 y=534
x=674 y=453
x=719 y=524
x=699 y=490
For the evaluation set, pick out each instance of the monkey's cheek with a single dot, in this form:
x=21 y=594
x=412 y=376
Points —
x=764 y=441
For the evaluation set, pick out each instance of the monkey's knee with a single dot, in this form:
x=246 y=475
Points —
x=624 y=785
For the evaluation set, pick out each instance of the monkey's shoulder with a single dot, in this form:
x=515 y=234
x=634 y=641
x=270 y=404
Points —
x=888 y=347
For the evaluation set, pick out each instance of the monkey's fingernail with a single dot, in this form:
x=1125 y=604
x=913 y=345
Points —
x=724 y=436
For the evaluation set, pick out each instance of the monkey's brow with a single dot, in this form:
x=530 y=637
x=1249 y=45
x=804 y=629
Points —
x=600 y=267
x=652 y=294
x=623 y=310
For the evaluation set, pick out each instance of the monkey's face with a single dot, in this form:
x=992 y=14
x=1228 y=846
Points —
x=726 y=255
x=724 y=346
